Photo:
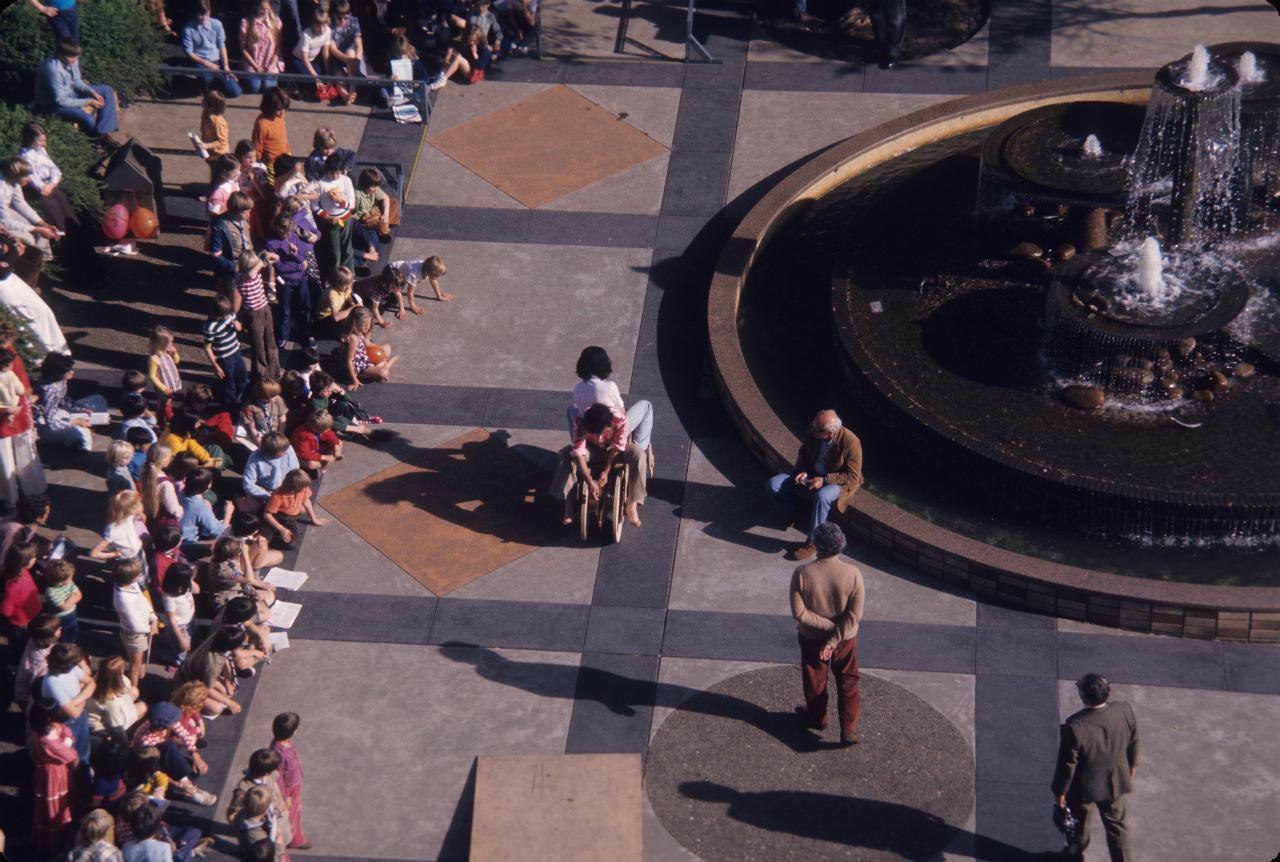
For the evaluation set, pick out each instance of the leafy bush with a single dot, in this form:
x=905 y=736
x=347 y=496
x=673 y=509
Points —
x=122 y=45
x=70 y=150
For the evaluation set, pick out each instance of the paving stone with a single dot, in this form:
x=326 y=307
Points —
x=635 y=631
x=613 y=702
x=515 y=625
x=1149 y=661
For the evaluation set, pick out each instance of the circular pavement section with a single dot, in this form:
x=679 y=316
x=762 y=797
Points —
x=732 y=775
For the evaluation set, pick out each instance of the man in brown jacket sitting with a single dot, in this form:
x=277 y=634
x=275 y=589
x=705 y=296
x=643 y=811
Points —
x=827 y=596
x=827 y=472
x=1097 y=760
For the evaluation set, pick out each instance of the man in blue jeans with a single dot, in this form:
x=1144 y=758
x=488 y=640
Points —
x=61 y=90
x=64 y=17
x=204 y=41
x=827 y=473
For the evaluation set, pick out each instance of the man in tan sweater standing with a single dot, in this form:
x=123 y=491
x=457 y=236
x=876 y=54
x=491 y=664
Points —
x=826 y=599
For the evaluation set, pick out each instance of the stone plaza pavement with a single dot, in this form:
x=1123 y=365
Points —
x=606 y=231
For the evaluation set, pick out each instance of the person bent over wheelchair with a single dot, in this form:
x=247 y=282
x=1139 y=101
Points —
x=600 y=439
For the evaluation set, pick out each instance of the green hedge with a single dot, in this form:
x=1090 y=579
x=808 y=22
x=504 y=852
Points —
x=70 y=150
x=25 y=342
x=122 y=45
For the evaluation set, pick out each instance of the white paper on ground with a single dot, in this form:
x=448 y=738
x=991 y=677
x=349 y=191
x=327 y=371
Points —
x=406 y=114
x=279 y=640
x=284 y=614
x=99 y=418
x=286 y=579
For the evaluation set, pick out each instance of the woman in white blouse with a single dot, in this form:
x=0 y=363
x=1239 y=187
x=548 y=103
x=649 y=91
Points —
x=16 y=215
x=52 y=202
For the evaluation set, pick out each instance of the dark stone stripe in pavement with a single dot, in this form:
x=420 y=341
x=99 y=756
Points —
x=1016 y=721
x=510 y=625
x=612 y=704
x=1252 y=668
x=1142 y=660
x=915 y=646
x=1014 y=822
x=546 y=227
x=364 y=618
x=805 y=77
x=631 y=631
x=999 y=616
x=730 y=637
x=1019 y=42
x=1017 y=652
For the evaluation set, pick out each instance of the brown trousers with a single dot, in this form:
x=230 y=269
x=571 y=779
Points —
x=262 y=342
x=813 y=673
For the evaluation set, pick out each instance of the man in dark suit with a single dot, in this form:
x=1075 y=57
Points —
x=827 y=473
x=1097 y=759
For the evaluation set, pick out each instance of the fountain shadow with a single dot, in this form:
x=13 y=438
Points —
x=989 y=336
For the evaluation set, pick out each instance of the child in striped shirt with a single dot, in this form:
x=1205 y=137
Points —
x=222 y=346
x=250 y=301
x=162 y=368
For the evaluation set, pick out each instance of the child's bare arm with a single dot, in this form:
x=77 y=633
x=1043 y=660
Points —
x=312 y=517
x=435 y=286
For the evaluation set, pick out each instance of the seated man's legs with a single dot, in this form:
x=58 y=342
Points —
x=106 y=122
x=783 y=493
x=228 y=85
x=83 y=119
x=823 y=500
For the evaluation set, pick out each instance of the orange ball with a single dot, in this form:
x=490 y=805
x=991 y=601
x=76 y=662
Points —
x=376 y=353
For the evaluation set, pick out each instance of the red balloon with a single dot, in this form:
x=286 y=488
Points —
x=144 y=223
x=375 y=353
x=115 y=224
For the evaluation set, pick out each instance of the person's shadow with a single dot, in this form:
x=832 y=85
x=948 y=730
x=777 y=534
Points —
x=870 y=823
x=627 y=696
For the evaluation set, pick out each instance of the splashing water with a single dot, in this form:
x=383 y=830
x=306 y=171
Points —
x=1248 y=70
x=1197 y=78
x=1150 y=268
x=1093 y=147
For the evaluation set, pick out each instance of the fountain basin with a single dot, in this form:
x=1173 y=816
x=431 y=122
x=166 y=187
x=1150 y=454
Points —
x=1076 y=585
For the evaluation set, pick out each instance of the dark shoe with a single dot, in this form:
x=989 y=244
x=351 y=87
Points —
x=849 y=738
x=803 y=714
x=801 y=552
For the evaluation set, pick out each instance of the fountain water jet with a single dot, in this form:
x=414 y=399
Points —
x=1248 y=70
x=1092 y=147
x=1150 y=269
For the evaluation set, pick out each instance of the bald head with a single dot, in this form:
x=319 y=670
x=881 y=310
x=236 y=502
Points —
x=825 y=424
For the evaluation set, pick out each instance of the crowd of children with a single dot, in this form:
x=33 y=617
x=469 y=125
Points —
x=207 y=488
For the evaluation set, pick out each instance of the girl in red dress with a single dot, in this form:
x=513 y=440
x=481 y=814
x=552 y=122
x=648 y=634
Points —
x=57 y=796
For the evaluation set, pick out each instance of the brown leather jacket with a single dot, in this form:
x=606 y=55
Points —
x=844 y=463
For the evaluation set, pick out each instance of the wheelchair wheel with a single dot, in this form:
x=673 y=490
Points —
x=584 y=510
x=617 y=507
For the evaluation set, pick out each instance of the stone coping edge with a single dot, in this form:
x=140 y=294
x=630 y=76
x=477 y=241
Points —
x=1135 y=604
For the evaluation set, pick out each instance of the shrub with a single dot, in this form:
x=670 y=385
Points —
x=69 y=149
x=25 y=342
x=122 y=46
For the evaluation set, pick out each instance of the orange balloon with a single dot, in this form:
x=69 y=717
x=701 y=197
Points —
x=144 y=223
x=375 y=353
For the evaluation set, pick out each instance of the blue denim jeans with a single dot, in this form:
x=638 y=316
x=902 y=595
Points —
x=66 y=24
x=236 y=381
x=252 y=83
x=787 y=495
x=104 y=122
x=220 y=80
x=295 y=310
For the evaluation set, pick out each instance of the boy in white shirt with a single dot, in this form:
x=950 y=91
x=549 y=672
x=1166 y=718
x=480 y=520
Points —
x=138 y=621
x=335 y=217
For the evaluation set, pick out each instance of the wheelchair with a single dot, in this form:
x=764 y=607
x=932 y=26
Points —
x=608 y=514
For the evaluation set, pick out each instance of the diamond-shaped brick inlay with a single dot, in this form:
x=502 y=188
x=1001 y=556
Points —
x=454 y=512
x=547 y=145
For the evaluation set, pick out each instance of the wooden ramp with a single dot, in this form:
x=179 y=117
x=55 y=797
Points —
x=567 y=808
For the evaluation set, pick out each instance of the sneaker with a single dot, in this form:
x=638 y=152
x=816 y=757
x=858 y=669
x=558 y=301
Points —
x=202 y=846
x=375 y=420
x=281 y=344
x=312 y=343
x=438 y=82
x=198 y=796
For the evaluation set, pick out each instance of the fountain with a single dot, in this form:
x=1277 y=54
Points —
x=1085 y=367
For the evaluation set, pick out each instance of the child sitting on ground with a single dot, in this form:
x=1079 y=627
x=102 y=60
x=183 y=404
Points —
x=340 y=300
x=348 y=416
x=289 y=778
x=224 y=578
x=265 y=411
x=61 y=595
x=365 y=361
x=11 y=388
x=135 y=413
x=431 y=269
x=316 y=443
x=376 y=213
x=287 y=504
x=119 y=456
x=162 y=367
